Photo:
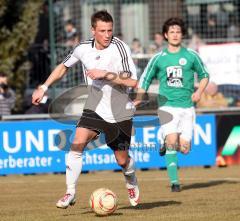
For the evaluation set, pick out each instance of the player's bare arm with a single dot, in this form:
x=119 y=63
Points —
x=139 y=98
x=122 y=78
x=196 y=96
x=56 y=74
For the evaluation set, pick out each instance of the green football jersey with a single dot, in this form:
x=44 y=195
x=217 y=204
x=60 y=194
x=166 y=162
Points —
x=175 y=73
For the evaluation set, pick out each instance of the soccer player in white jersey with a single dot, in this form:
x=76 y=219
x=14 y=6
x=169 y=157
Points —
x=109 y=69
x=174 y=67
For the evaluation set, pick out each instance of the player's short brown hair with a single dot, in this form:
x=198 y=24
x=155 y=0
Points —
x=102 y=15
x=171 y=22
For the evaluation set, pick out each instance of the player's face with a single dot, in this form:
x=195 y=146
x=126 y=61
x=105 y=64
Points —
x=102 y=33
x=3 y=80
x=174 y=35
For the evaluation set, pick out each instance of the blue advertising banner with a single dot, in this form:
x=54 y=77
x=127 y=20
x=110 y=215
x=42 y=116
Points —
x=41 y=146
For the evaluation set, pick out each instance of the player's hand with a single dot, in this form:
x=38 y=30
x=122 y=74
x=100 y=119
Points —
x=196 y=96
x=96 y=74
x=137 y=102
x=37 y=96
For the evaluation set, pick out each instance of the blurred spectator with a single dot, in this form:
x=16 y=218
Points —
x=231 y=92
x=195 y=42
x=42 y=108
x=233 y=30
x=157 y=45
x=72 y=36
x=43 y=25
x=70 y=29
x=212 y=98
x=73 y=41
x=7 y=96
x=119 y=35
x=136 y=47
x=211 y=27
x=38 y=53
x=222 y=19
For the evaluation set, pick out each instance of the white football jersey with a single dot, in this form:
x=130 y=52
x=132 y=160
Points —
x=106 y=99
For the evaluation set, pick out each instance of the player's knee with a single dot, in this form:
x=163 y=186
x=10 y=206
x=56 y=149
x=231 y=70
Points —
x=185 y=147
x=78 y=146
x=122 y=162
x=171 y=146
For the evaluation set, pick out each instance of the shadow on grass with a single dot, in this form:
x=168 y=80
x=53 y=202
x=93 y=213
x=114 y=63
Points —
x=141 y=206
x=91 y=212
x=113 y=214
x=151 y=205
x=207 y=184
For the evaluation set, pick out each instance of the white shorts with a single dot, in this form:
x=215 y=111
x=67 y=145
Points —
x=177 y=120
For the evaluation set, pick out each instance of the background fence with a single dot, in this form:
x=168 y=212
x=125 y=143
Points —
x=137 y=22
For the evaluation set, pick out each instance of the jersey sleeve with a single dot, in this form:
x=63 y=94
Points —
x=199 y=67
x=72 y=58
x=127 y=64
x=149 y=73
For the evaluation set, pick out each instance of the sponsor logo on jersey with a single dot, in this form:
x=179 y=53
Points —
x=174 y=76
x=98 y=57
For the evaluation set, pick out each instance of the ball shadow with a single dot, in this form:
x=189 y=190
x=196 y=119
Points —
x=151 y=205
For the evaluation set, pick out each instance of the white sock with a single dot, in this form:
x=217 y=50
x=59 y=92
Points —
x=73 y=170
x=129 y=173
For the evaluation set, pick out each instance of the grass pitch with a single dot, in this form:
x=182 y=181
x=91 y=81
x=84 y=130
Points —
x=207 y=194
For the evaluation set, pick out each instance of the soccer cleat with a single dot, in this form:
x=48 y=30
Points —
x=162 y=151
x=65 y=201
x=133 y=194
x=175 y=188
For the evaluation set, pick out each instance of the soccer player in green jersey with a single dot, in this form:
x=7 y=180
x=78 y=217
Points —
x=174 y=68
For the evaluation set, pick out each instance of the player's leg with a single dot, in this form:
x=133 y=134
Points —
x=171 y=143
x=127 y=165
x=170 y=146
x=74 y=165
x=184 y=145
x=128 y=168
x=87 y=129
x=165 y=117
x=120 y=145
x=186 y=127
x=74 y=158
